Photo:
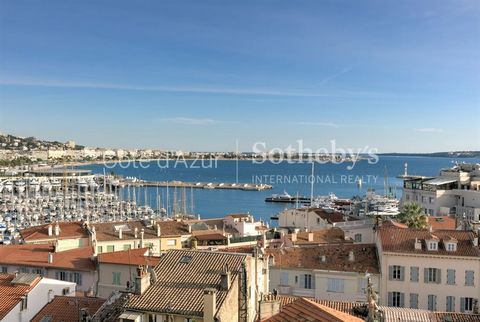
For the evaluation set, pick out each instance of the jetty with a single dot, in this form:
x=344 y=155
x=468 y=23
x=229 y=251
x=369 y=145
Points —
x=196 y=185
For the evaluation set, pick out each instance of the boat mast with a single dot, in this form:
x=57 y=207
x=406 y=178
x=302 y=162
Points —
x=311 y=183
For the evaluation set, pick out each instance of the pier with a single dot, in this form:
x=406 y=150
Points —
x=197 y=185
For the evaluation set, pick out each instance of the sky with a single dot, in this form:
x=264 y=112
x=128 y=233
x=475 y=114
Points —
x=397 y=76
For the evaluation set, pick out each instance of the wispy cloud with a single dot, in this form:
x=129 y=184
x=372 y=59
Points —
x=187 y=88
x=327 y=79
x=429 y=130
x=322 y=124
x=192 y=121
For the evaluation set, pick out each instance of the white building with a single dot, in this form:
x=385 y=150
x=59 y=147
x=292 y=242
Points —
x=24 y=295
x=311 y=218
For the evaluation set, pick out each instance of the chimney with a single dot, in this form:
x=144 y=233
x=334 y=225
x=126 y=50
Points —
x=194 y=243
x=225 y=279
x=430 y=229
x=142 y=280
x=50 y=230
x=95 y=250
x=418 y=244
x=209 y=304
x=293 y=236
x=57 y=229
x=158 y=230
x=310 y=236
x=142 y=234
x=135 y=232
x=269 y=306
x=323 y=259
x=189 y=228
x=351 y=256
x=475 y=241
x=120 y=233
x=50 y=258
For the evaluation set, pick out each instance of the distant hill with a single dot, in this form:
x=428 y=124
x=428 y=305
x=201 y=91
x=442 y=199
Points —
x=12 y=142
x=453 y=154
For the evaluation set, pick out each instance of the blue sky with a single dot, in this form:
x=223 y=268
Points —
x=199 y=75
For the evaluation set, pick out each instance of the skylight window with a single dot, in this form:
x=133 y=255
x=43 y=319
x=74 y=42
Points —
x=186 y=259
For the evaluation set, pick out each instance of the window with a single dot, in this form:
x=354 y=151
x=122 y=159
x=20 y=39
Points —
x=413 y=300
x=396 y=272
x=149 y=245
x=431 y=199
x=395 y=299
x=450 y=276
x=362 y=285
x=38 y=271
x=466 y=304
x=61 y=276
x=413 y=274
x=469 y=278
x=432 y=245
x=116 y=278
x=318 y=220
x=110 y=248
x=284 y=278
x=99 y=249
x=171 y=242
x=77 y=278
x=307 y=281
x=4 y=269
x=432 y=302
x=24 y=269
x=407 y=197
x=432 y=275
x=451 y=247
x=127 y=247
x=450 y=304
x=430 y=212
x=335 y=285
x=296 y=279
x=358 y=238
x=24 y=303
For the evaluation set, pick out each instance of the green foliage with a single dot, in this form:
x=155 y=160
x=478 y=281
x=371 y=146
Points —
x=413 y=216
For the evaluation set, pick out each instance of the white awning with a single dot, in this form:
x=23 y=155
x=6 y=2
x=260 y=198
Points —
x=439 y=181
x=130 y=316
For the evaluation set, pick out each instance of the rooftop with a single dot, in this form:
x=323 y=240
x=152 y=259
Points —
x=136 y=257
x=12 y=293
x=305 y=310
x=110 y=230
x=68 y=230
x=396 y=240
x=336 y=257
x=67 y=308
x=36 y=255
x=332 y=217
x=324 y=236
x=182 y=277
x=442 y=222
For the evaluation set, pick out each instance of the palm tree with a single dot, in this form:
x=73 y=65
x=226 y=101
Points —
x=413 y=216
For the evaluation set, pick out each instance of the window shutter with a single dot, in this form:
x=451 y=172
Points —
x=414 y=274
x=402 y=273
x=462 y=304
x=450 y=276
x=57 y=276
x=390 y=298
x=413 y=300
x=439 y=276
x=429 y=302
x=390 y=272
x=425 y=275
x=79 y=279
x=402 y=299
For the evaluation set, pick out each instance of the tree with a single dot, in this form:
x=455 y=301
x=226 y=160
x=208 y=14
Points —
x=413 y=216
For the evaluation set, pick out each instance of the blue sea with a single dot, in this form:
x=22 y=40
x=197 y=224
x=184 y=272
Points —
x=292 y=178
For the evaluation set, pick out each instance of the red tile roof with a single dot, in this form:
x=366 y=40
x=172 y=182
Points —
x=392 y=223
x=11 y=294
x=442 y=222
x=134 y=257
x=336 y=257
x=106 y=231
x=403 y=241
x=36 y=255
x=67 y=308
x=67 y=230
x=325 y=236
x=305 y=310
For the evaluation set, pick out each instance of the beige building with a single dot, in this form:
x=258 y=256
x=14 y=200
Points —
x=437 y=271
x=199 y=286
x=158 y=236
x=311 y=218
x=333 y=272
x=117 y=270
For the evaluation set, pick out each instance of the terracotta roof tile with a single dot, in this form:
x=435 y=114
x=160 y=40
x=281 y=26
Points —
x=67 y=230
x=36 y=255
x=136 y=257
x=392 y=223
x=11 y=294
x=403 y=241
x=336 y=257
x=180 y=285
x=67 y=308
x=305 y=310
x=106 y=231
x=325 y=236
x=442 y=222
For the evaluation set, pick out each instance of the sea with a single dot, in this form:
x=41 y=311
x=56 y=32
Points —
x=345 y=180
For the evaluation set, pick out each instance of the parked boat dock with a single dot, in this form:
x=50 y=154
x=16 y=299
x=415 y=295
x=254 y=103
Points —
x=196 y=185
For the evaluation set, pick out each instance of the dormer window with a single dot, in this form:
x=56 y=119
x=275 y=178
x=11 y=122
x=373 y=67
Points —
x=450 y=244
x=451 y=247
x=432 y=245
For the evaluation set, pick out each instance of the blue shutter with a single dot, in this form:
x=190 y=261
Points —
x=57 y=275
x=79 y=278
x=390 y=298
x=425 y=275
x=414 y=274
x=413 y=300
x=402 y=273
x=450 y=276
x=439 y=276
x=402 y=299
x=462 y=304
